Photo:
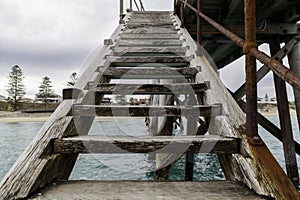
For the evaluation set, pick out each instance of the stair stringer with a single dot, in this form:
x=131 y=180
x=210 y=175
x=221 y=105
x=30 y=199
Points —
x=259 y=170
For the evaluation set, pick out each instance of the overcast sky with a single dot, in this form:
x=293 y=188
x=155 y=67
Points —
x=53 y=37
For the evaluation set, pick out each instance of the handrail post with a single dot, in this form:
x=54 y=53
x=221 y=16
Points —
x=182 y=14
x=121 y=11
x=199 y=34
x=130 y=5
x=251 y=85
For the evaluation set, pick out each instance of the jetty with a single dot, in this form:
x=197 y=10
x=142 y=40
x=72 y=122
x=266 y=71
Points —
x=174 y=57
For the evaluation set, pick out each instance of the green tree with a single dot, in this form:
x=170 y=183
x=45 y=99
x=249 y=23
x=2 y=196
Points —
x=16 y=88
x=45 y=91
x=73 y=79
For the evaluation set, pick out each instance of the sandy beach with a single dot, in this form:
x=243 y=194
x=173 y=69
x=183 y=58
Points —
x=23 y=117
x=6 y=117
x=13 y=117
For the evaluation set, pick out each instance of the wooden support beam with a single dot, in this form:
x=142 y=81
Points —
x=140 y=111
x=192 y=127
x=167 y=73
x=145 y=144
x=183 y=88
x=285 y=122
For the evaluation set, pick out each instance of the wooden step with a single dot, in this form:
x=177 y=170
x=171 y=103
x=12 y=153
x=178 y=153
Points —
x=146 y=190
x=156 y=30
x=146 y=144
x=149 y=43
x=182 y=88
x=179 y=51
x=135 y=61
x=167 y=73
x=154 y=19
x=143 y=111
x=150 y=36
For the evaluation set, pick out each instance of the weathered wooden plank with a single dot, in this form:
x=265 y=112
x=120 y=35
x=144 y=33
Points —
x=166 y=23
x=150 y=36
x=157 y=30
x=140 y=111
x=168 y=60
x=149 y=43
x=107 y=88
x=149 y=50
x=147 y=190
x=167 y=73
x=145 y=144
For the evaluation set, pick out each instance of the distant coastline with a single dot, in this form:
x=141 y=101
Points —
x=266 y=109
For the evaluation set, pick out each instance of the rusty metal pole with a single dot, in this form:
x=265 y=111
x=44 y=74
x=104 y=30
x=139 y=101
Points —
x=251 y=86
x=175 y=3
x=199 y=35
x=182 y=14
x=130 y=5
x=121 y=11
x=285 y=122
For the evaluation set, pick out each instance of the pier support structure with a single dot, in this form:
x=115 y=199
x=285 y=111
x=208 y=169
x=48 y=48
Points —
x=294 y=61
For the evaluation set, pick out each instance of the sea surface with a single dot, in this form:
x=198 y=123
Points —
x=16 y=136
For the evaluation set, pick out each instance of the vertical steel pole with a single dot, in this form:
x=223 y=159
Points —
x=285 y=122
x=182 y=14
x=121 y=11
x=130 y=5
x=251 y=86
x=199 y=35
x=175 y=2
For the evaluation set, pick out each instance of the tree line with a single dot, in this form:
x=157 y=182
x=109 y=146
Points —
x=16 y=88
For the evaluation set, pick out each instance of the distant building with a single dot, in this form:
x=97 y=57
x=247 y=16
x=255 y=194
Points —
x=53 y=99
x=26 y=100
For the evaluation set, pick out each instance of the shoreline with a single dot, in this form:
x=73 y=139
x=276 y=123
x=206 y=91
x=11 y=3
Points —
x=14 y=117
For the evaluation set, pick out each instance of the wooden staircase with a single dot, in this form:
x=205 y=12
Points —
x=148 y=46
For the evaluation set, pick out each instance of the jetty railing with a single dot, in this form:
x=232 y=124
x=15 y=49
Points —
x=281 y=74
x=139 y=6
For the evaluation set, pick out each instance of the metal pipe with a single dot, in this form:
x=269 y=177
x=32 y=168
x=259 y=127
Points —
x=130 y=5
x=199 y=34
x=282 y=71
x=121 y=10
x=142 y=7
x=182 y=14
x=251 y=86
x=136 y=5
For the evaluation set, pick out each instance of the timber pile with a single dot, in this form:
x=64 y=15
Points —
x=150 y=45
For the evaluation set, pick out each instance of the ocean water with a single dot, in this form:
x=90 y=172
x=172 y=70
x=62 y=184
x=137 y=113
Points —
x=16 y=136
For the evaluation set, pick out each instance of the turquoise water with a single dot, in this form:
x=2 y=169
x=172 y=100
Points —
x=16 y=136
